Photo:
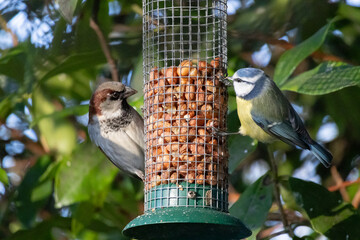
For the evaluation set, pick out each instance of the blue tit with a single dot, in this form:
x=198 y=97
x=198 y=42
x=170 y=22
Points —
x=266 y=115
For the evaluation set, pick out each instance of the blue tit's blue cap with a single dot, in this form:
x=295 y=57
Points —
x=248 y=74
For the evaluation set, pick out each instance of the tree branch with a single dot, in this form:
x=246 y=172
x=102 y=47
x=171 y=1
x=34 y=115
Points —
x=105 y=49
x=343 y=184
x=277 y=192
x=356 y=200
x=339 y=182
x=3 y=25
x=285 y=45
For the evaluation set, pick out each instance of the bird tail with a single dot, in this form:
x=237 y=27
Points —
x=321 y=153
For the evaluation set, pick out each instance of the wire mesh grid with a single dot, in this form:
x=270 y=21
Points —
x=185 y=55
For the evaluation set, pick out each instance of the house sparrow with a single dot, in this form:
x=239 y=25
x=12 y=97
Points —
x=116 y=128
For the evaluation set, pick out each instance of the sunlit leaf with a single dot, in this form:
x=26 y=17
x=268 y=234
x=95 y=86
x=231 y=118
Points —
x=254 y=204
x=350 y=12
x=327 y=212
x=69 y=111
x=3 y=177
x=74 y=85
x=42 y=191
x=293 y=57
x=325 y=78
x=43 y=230
x=85 y=176
x=76 y=62
x=58 y=134
x=67 y=8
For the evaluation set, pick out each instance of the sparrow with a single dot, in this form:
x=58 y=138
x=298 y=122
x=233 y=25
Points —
x=117 y=128
x=266 y=115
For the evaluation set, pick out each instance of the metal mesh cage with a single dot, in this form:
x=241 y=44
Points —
x=185 y=55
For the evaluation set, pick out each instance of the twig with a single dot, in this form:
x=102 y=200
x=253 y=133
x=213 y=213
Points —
x=106 y=50
x=267 y=232
x=339 y=181
x=276 y=234
x=344 y=184
x=277 y=192
x=285 y=45
x=356 y=200
x=3 y=25
x=290 y=216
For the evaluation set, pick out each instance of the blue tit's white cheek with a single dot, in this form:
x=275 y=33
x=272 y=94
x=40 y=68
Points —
x=242 y=89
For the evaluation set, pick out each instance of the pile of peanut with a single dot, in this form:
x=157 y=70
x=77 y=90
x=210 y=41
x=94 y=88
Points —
x=182 y=106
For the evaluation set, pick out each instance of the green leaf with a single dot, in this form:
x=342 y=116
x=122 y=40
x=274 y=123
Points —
x=59 y=133
x=76 y=62
x=326 y=78
x=69 y=111
x=12 y=63
x=43 y=230
x=72 y=85
x=27 y=203
x=67 y=9
x=253 y=206
x=82 y=217
x=239 y=148
x=42 y=191
x=293 y=57
x=4 y=177
x=87 y=175
x=254 y=234
x=327 y=212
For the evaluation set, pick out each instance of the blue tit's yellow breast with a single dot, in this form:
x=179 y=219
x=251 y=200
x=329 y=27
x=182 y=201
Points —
x=248 y=126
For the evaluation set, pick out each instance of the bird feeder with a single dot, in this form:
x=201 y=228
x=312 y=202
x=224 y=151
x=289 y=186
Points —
x=186 y=164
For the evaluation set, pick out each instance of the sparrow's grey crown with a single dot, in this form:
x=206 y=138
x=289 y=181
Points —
x=249 y=82
x=115 y=86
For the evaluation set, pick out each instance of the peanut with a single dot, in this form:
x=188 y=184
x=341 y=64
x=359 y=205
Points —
x=184 y=68
x=171 y=75
x=182 y=106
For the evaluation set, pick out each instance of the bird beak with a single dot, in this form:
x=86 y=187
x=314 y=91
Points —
x=129 y=92
x=229 y=78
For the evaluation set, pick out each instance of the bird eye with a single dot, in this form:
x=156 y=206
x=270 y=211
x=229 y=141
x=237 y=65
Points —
x=114 y=96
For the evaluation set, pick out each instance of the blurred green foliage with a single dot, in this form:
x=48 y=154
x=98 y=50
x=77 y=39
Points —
x=62 y=187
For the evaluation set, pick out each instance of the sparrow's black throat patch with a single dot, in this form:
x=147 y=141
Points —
x=117 y=123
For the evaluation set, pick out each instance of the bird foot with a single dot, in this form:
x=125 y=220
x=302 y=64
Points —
x=218 y=132
x=226 y=80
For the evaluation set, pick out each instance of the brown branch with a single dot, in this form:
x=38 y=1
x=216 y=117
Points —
x=291 y=216
x=3 y=25
x=276 y=234
x=339 y=181
x=105 y=49
x=267 y=232
x=285 y=45
x=277 y=192
x=356 y=200
x=344 y=184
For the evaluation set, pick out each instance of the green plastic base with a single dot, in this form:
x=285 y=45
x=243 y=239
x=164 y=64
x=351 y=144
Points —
x=184 y=223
